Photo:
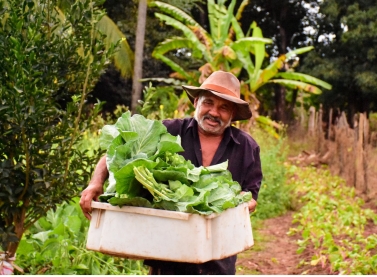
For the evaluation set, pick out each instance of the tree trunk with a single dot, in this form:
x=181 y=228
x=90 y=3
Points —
x=139 y=46
x=280 y=105
x=280 y=91
x=18 y=221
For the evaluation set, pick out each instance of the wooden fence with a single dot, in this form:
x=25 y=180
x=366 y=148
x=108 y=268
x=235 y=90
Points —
x=349 y=152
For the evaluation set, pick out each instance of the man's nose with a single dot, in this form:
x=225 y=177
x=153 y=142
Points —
x=214 y=111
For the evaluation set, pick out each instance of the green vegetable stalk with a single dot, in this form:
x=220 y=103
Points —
x=145 y=177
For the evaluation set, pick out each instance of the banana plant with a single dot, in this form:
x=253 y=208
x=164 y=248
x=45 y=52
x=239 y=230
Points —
x=123 y=58
x=226 y=47
x=217 y=48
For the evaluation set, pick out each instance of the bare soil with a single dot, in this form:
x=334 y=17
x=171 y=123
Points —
x=274 y=251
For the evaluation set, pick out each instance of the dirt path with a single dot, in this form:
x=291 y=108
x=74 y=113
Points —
x=274 y=252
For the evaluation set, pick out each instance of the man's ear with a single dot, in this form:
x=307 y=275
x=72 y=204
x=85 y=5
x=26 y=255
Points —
x=196 y=102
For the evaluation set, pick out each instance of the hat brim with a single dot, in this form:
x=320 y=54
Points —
x=243 y=110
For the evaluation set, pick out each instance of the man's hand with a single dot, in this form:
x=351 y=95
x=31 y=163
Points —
x=87 y=196
x=252 y=204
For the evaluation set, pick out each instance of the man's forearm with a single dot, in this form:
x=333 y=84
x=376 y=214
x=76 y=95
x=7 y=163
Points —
x=100 y=173
x=95 y=187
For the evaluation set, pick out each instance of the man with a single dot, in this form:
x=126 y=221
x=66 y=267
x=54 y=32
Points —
x=207 y=139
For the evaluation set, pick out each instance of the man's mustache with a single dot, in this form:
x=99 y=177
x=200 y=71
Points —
x=216 y=119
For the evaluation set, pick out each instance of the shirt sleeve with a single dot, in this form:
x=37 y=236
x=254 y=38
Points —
x=253 y=172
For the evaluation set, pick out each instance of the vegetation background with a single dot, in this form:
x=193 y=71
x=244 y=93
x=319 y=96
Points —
x=73 y=66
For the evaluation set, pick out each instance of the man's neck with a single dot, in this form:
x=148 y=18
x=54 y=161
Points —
x=209 y=145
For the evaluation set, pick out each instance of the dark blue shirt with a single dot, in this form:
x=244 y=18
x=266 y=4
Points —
x=238 y=147
x=242 y=153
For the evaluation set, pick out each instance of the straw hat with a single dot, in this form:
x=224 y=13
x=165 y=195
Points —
x=226 y=86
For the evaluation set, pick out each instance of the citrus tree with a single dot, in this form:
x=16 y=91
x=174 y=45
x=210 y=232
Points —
x=49 y=64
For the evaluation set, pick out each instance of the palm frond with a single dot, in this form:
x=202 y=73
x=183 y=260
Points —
x=173 y=43
x=267 y=73
x=174 y=66
x=241 y=9
x=304 y=78
x=269 y=126
x=259 y=51
x=236 y=29
x=174 y=12
x=249 y=43
x=170 y=81
x=189 y=34
x=124 y=57
x=226 y=20
x=297 y=85
x=299 y=51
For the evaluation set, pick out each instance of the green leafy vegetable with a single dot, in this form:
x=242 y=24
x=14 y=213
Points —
x=147 y=171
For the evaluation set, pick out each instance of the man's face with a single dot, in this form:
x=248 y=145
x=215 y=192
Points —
x=213 y=114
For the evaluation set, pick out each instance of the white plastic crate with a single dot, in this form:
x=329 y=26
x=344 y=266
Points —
x=143 y=233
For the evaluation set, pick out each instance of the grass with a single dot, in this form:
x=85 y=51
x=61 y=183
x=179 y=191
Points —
x=274 y=197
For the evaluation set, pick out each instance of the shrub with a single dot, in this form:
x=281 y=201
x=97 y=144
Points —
x=49 y=63
x=55 y=244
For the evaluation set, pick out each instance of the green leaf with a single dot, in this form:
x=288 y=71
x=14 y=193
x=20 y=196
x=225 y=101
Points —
x=205 y=183
x=297 y=85
x=218 y=167
x=80 y=266
x=173 y=175
x=149 y=132
x=125 y=176
x=134 y=201
x=174 y=12
x=25 y=247
x=304 y=78
x=73 y=223
x=124 y=56
x=129 y=136
x=42 y=236
x=189 y=34
x=268 y=73
x=59 y=229
x=51 y=246
x=299 y=51
x=220 y=195
x=108 y=134
x=259 y=51
x=169 y=143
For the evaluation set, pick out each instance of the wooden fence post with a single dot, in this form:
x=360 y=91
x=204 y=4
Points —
x=366 y=130
x=329 y=134
x=320 y=135
x=360 y=184
x=311 y=125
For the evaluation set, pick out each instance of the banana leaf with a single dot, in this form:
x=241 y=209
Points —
x=304 y=78
x=297 y=85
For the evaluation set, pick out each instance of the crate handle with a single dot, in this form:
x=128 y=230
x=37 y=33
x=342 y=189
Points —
x=208 y=228
x=98 y=218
